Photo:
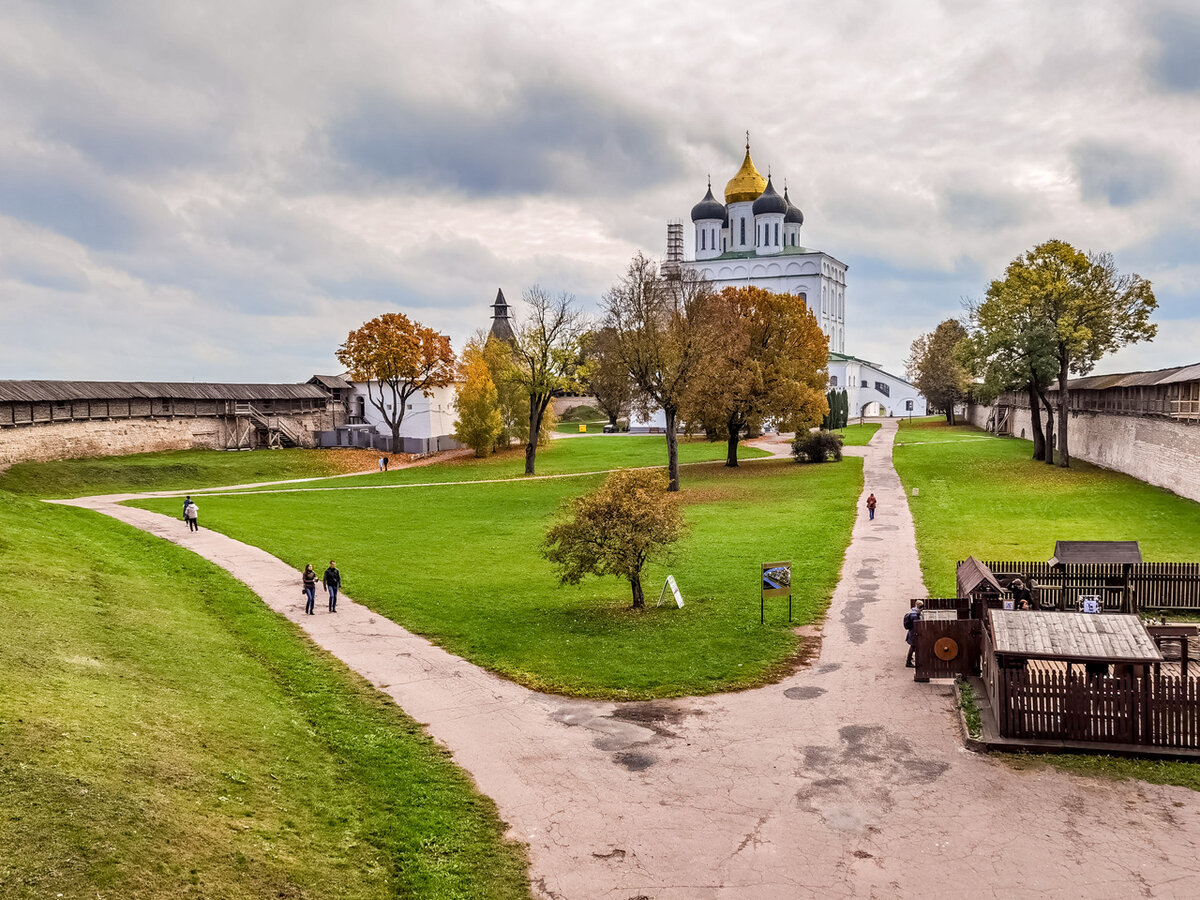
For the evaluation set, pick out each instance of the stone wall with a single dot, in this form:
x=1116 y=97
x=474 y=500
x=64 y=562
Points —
x=1158 y=451
x=117 y=437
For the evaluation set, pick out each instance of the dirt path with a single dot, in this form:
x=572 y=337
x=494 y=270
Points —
x=846 y=779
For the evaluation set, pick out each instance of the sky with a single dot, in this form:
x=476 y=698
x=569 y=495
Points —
x=222 y=191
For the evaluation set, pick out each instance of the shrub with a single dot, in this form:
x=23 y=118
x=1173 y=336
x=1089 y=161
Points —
x=817 y=446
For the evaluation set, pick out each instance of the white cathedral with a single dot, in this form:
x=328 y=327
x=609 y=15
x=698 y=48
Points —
x=753 y=238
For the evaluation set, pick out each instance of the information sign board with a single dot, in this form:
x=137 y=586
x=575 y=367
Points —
x=670 y=583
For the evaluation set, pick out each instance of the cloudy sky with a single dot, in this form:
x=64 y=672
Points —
x=220 y=191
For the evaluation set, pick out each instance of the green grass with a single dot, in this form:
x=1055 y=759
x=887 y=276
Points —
x=857 y=435
x=596 y=427
x=970 y=708
x=181 y=470
x=1116 y=768
x=985 y=497
x=560 y=457
x=164 y=734
x=460 y=564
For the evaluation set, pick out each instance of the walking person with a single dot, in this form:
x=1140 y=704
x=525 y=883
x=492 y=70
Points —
x=910 y=622
x=310 y=589
x=385 y=463
x=191 y=515
x=332 y=579
x=186 y=501
x=871 y=507
x=379 y=462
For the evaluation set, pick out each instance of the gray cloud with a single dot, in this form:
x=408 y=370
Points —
x=546 y=135
x=1174 y=62
x=1109 y=173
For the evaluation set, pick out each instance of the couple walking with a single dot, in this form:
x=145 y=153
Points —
x=191 y=514
x=332 y=579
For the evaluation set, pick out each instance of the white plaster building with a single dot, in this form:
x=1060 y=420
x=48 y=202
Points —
x=871 y=390
x=428 y=421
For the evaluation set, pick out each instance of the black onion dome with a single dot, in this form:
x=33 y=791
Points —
x=708 y=208
x=770 y=202
x=794 y=216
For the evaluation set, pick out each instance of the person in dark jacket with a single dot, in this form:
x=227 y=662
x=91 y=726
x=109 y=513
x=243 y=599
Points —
x=332 y=579
x=871 y=506
x=310 y=589
x=911 y=618
x=186 y=501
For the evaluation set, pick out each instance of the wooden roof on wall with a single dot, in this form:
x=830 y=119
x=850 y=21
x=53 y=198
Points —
x=55 y=391
x=1086 y=637
x=1069 y=552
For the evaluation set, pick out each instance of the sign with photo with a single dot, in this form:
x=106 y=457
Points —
x=776 y=579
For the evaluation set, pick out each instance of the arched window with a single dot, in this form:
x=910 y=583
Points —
x=743 y=230
x=833 y=381
x=776 y=234
x=703 y=234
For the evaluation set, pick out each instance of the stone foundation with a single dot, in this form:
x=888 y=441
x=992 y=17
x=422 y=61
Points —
x=1159 y=451
x=117 y=437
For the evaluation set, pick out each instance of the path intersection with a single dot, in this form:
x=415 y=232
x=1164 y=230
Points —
x=845 y=779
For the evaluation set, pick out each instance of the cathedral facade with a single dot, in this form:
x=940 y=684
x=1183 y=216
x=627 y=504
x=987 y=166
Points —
x=753 y=238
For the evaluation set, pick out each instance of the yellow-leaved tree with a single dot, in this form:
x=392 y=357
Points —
x=478 y=402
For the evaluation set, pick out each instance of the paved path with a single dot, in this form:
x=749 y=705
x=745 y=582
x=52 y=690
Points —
x=846 y=779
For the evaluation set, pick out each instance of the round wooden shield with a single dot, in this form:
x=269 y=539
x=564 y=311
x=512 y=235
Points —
x=946 y=649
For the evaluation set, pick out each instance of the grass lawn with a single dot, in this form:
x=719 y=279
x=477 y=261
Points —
x=985 y=496
x=596 y=427
x=181 y=470
x=857 y=435
x=165 y=735
x=560 y=457
x=460 y=564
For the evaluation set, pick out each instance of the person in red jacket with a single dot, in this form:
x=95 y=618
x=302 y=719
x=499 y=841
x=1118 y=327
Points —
x=871 y=506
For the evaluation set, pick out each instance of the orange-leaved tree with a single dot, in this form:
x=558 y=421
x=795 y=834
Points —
x=769 y=364
x=396 y=358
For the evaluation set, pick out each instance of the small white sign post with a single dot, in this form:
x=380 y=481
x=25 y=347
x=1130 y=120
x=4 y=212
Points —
x=670 y=583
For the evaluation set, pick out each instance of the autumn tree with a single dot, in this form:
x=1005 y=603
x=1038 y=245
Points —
x=545 y=358
x=616 y=529
x=663 y=336
x=397 y=358
x=935 y=369
x=1083 y=306
x=478 y=402
x=604 y=376
x=769 y=362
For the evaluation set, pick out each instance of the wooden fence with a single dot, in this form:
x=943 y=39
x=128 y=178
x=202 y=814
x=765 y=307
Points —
x=1170 y=586
x=1043 y=703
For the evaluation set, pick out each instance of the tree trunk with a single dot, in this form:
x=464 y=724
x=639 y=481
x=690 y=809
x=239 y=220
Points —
x=1064 y=400
x=735 y=433
x=612 y=420
x=1049 y=427
x=950 y=415
x=536 y=410
x=672 y=449
x=1035 y=418
x=639 y=599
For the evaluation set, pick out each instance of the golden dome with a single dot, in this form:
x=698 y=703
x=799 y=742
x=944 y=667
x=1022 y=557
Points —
x=747 y=184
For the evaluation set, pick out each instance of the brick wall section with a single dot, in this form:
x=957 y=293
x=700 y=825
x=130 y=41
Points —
x=1158 y=451
x=68 y=440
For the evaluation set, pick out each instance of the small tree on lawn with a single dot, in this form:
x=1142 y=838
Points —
x=400 y=358
x=616 y=529
x=605 y=375
x=478 y=403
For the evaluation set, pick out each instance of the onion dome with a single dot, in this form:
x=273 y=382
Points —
x=708 y=208
x=794 y=216
x=747 y=184
x=770 y=202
